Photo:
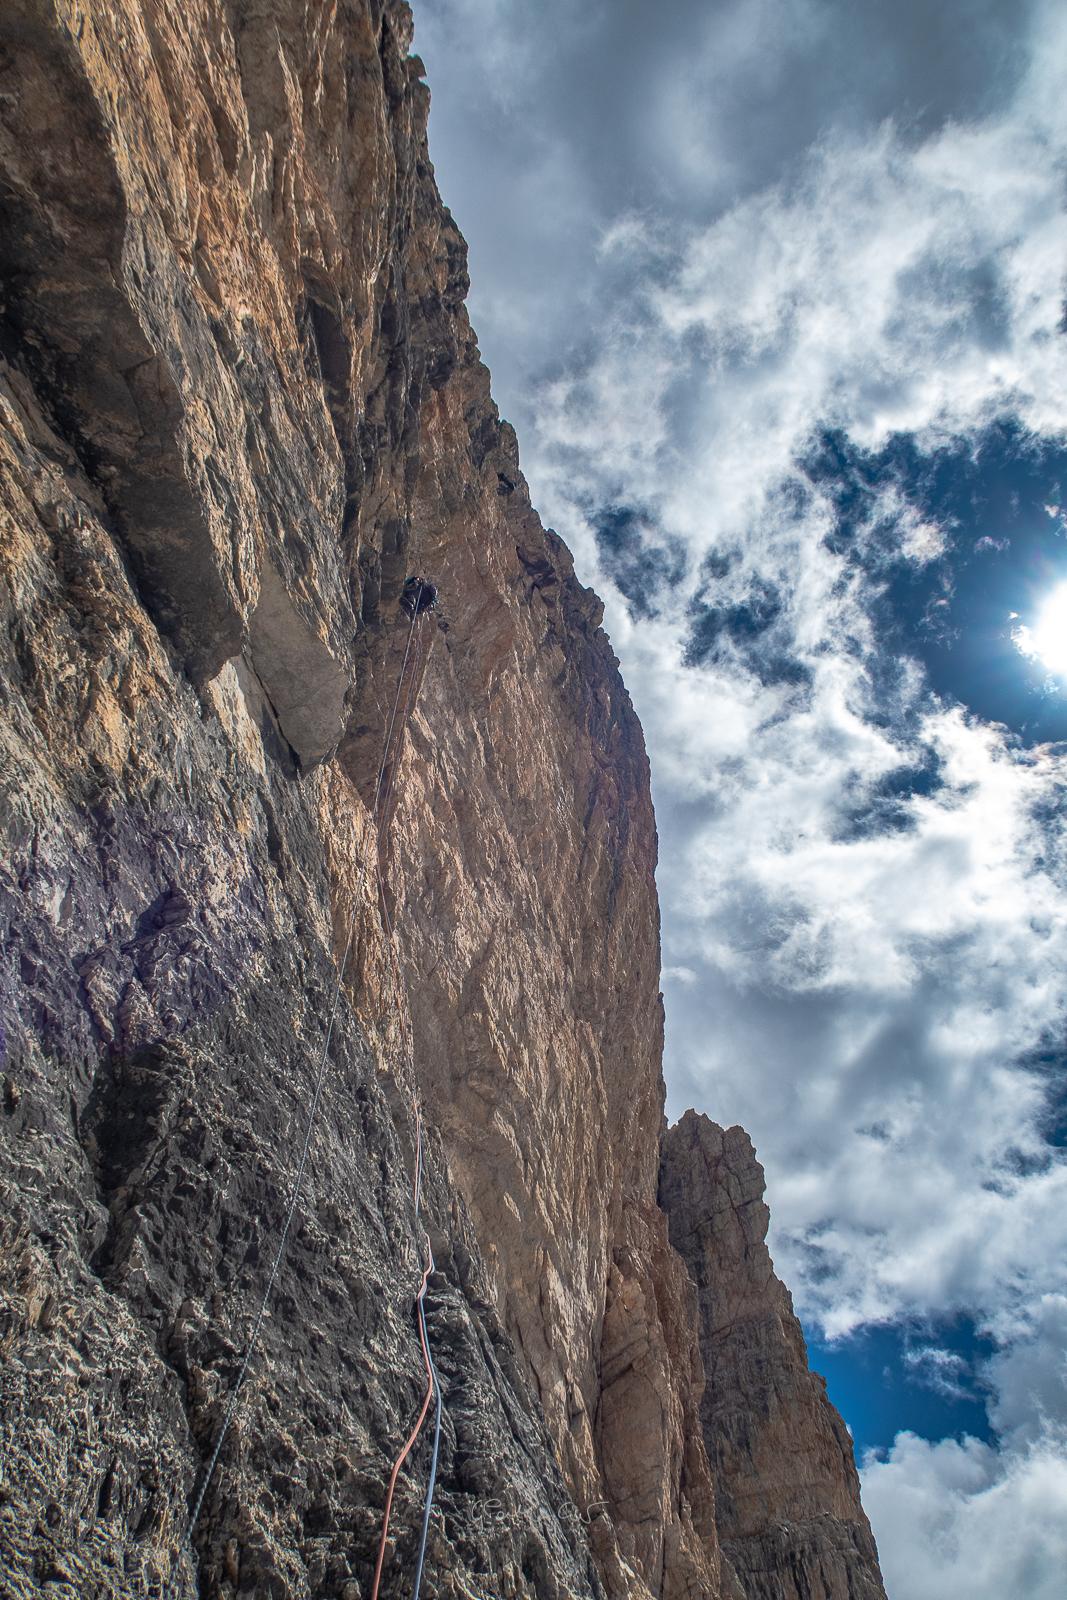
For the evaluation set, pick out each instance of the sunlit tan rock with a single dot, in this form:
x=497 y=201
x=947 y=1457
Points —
x=787 y=1500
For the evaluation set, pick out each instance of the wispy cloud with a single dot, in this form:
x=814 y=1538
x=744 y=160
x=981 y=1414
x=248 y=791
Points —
x=944 y=1371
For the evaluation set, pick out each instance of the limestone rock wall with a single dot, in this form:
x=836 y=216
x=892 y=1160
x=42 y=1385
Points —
x=240 y=401
x=787 y=1500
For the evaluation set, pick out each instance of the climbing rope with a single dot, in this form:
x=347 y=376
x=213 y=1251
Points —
x=320 y=1078
x=433 y=1384
x=416 y=1430
x=433 y=1389
x=431 y=1480
x=387 y=787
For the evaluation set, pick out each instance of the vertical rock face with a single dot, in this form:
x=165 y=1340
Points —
x=240 y=402
x=787 y=1499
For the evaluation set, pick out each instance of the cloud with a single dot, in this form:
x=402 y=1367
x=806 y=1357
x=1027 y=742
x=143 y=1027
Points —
x=1029 y=1376
x=549 y=124
x=957 y=1518
x=886 y=288
x=902 y=979
x=943 y=1371
x=962 y=1517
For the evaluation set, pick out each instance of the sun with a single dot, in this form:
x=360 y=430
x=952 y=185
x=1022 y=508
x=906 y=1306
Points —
x=1046 y=641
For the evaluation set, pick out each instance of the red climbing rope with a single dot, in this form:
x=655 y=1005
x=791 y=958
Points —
x=416 y=1430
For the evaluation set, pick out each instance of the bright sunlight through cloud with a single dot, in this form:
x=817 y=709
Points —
x=1046 y=641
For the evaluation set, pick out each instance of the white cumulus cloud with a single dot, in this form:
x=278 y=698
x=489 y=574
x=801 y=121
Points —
x=957 y=1518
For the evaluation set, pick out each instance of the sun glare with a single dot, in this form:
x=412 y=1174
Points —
x=1046 y=641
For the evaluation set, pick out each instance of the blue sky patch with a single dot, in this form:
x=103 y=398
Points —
x=892 y=1378
x=997 y=509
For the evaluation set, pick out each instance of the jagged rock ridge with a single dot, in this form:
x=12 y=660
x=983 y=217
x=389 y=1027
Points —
x=240 y=402
x=787 y=1501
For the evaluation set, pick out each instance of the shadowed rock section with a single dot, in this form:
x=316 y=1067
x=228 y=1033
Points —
x=787 y=1501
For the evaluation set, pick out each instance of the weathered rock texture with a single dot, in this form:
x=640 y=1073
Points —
x=787 y=1499
x=239 y=402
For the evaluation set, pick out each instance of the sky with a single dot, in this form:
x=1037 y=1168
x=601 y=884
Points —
x=774 y=294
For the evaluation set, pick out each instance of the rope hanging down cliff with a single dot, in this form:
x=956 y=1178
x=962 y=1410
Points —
x=420 y=1560
x=433 y=1387
x=415 y=606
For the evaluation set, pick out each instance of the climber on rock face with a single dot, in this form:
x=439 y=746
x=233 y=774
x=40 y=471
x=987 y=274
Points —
x=419 y=595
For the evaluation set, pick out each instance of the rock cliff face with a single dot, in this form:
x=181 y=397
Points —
x=240 y=402
x=787 y=1502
